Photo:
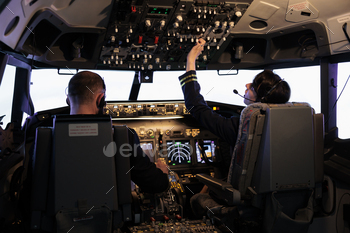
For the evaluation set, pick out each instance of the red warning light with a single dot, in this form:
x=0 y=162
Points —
x=133 y=9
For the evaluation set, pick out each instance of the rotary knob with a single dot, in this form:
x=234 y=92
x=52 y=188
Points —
x=148 y=23
x=179 y=18
x=176 y=25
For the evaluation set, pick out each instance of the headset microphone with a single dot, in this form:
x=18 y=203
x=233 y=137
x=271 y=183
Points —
x=236 y=92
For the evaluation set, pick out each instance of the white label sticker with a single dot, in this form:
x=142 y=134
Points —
x=76 y=130
x=299 y=6
x=344 y=19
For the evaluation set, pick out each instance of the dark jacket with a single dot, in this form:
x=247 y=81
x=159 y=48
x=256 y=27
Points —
x=225 y=128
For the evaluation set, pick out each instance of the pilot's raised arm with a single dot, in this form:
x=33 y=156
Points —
x=225 y=128
x=267 y=87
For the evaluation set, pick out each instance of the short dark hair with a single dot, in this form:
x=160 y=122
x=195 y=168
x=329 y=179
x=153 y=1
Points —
x=270 y=88
x=84 y=84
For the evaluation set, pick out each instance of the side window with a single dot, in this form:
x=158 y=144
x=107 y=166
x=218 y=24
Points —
x=343 y=106
x=6 y=95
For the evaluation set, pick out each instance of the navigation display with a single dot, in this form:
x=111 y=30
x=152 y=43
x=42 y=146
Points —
x=179 y=152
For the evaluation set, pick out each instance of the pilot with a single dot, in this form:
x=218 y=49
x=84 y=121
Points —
x=266 y=87
x=86 y=95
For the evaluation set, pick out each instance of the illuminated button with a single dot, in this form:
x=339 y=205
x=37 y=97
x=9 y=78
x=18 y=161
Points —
x=214 y=108
x=133 y=9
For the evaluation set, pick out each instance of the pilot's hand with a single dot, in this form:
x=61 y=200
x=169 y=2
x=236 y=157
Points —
x=162 y=166
x=193 y=54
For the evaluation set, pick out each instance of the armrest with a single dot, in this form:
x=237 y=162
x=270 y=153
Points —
x=223 y=189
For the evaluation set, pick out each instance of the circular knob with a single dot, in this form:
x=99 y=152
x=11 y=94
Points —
x=238 y=14
x=148 y=23
x=150 y=66
x=176 y=25
x=179 y=18
x=162 y=23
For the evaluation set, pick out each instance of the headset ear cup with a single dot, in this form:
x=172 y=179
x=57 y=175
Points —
x=102 y=102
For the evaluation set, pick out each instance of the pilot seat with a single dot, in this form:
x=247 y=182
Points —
x=79 y=179
x=276 y=172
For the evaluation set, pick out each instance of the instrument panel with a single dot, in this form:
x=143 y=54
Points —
x=166 y=130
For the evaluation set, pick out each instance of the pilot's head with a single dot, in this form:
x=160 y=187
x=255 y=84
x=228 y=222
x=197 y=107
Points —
x=86 y=93
x=267 y=87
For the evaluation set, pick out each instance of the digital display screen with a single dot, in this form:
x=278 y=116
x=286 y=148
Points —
x=179 y=152
x=159 y=11
x=147 y=148
x=209 y=150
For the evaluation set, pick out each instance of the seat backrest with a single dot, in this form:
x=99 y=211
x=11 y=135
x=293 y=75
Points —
x=74 y=174
x=278 y=148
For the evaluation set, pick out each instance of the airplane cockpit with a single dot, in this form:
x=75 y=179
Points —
x=283 y=168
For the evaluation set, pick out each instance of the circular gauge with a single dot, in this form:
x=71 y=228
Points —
x=179 y=152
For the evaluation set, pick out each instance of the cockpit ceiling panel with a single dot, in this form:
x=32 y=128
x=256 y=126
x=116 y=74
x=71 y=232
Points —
x=157 y=35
